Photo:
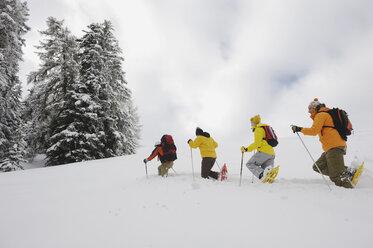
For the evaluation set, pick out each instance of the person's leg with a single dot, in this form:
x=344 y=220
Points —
x=163 y=168
x=322 y=164
x=337 y=169
x=205 y=167
x=168 y=166
x=268 y=165
x=212 y=173
x=207 y=164
x=269 y=162
x=255 y=163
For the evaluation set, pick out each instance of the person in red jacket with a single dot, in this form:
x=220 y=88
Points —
x=331 y=162
x=166 y=163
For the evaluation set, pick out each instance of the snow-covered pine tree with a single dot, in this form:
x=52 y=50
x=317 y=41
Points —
x=13 y=17
x=74 y=129
x=124 y=134
x=45 y=100
x=102 y=69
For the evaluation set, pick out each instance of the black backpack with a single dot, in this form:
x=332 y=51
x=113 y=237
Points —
x=271 y=136
x=341 y=122
x=169 y=149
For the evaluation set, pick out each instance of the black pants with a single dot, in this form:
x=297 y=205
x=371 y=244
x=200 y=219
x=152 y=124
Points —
x=207 y=164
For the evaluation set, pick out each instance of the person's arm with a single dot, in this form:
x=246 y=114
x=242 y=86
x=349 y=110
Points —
x=258 y=138
x=196 y=143
x=156 y=151
x=317 y=125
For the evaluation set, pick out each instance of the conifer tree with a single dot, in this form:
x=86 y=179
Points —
x=80 y=106
x=102 y=69
x=74 y=129
x=13 y=17
x=46 y=97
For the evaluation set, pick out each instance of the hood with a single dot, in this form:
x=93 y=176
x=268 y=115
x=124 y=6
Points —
x=204 y=134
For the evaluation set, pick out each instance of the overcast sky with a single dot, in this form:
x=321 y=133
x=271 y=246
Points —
x=216 y=63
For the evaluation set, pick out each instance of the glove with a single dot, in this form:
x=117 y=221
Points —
x=296 y=129
x=243 y=149
x=189 y=140
x=145 y=161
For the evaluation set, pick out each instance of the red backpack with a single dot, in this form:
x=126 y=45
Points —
x=271 y=136
x=169 y=149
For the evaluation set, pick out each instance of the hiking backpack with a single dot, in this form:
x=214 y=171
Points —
x=341 y=122
x=271 y=136
x=169 y=149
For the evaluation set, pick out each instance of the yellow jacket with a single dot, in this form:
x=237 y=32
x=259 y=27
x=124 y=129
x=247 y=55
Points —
x=260 y=143
x=329 y=137
x=206 y=146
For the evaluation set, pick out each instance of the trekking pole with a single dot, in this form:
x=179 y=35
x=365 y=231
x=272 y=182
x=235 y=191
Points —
x=191 y=157
x=241 y=169
x=216 y=161
x=314 y=162
x=146 y=170
x=174 y=170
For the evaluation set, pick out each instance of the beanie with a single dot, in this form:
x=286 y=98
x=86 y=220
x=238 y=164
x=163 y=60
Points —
x=315 y=102
x=199 y=131
x=255 y=119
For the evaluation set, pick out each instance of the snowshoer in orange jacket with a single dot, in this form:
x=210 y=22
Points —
x=331 y=162
x=166 y=162
x=207 y=146
x=262 y=161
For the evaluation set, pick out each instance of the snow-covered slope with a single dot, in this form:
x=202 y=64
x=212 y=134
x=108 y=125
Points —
x=110 y=203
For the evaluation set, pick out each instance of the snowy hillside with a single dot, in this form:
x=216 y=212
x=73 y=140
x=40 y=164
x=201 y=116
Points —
x=110 y=203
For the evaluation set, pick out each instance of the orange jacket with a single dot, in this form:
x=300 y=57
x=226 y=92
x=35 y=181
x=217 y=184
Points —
x=329 y=137
x=157 y=151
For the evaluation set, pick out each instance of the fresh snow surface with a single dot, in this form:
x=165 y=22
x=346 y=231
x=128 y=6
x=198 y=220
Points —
x=111 y=203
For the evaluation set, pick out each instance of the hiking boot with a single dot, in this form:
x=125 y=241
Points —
x=350 y=171
x=260 y=176
x=267 y=170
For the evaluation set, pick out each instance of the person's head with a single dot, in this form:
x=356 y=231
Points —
x=199 y=131
x=255 y=120
x=313 y=106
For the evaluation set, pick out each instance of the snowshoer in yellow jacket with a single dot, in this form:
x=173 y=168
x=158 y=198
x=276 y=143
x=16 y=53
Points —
x=207 y=146
x=331 y=162
x=261 y=162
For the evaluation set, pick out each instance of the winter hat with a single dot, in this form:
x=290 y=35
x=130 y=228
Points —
x=315 y=102
x=255 y=119
x=199 y=131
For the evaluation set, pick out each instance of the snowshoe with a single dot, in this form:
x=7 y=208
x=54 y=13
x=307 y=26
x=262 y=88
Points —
x=270 y=177
x=355 y=178
x=223 y=173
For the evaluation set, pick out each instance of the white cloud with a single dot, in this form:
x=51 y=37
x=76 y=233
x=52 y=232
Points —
x=217 y=63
